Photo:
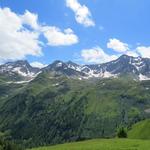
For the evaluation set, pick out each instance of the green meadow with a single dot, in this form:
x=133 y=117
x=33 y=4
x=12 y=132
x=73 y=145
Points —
x=140 y=130
x=102 y=144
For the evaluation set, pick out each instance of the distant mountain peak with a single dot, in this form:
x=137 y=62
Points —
x=20 y=68
x=136 y=67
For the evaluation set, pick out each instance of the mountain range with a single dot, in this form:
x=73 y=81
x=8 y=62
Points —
x=135 y=67
x=65 y=101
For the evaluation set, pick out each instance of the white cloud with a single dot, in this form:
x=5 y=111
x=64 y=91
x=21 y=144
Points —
x=56 y=37
x=117 y=45
x=38 y=64
x=82 y=13
x=132 y=53
x=143 y=51
x=123 y=48
x=96 y=55
x=16 y=41
x=30 y=19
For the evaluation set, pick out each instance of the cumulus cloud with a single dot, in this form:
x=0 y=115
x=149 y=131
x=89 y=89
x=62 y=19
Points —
x=19 y=35
x=56 y=37
x=30 y=19
x=16 y=41
x=117 y=45
x=82 y=13
x=96 y=55
x=143 y=51
x=38 y=64
x=132 y=53
x=123 y=48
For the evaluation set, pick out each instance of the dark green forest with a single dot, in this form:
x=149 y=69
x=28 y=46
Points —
x=51 y=110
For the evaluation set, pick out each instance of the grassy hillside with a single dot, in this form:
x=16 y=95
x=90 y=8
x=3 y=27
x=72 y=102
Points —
x=55 y=109
x=140 y=130
x=115 y=144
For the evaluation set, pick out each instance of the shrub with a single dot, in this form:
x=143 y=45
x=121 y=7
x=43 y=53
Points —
x=5 y=145
x=122 y=132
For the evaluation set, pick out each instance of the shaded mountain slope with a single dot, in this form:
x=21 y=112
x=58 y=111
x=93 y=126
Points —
x=55 y=109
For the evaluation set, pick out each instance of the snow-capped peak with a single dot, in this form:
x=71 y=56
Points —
x=21 y=68
x=136 y=67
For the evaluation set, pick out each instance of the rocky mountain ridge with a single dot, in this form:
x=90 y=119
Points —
x=135 y=67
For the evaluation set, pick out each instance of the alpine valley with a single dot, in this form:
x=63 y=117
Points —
x=65 y=102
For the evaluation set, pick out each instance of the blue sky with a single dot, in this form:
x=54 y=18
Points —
x=99 y=30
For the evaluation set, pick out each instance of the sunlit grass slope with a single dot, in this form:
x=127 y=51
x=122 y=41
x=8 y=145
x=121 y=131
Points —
x=105 y=144
x=141 y=130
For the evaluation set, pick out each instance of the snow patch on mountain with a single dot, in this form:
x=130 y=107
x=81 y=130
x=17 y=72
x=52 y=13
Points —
x=142 y=77
x=124 y=65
